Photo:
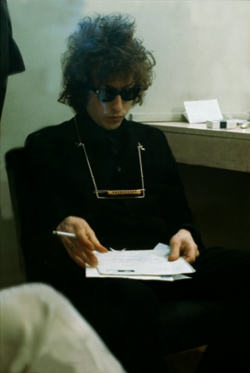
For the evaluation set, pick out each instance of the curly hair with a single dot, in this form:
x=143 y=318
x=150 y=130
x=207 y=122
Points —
x=101 y=50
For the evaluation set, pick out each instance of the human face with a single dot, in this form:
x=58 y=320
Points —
x=109 y=115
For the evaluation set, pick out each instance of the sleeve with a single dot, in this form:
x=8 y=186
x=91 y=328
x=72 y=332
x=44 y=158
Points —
x=44 y=209
x=48 y=169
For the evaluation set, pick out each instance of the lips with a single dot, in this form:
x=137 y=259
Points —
x=115 y=118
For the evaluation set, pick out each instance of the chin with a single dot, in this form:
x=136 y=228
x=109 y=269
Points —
x=111 y=126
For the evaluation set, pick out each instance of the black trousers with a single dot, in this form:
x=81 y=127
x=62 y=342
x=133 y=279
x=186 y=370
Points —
x=126 y=312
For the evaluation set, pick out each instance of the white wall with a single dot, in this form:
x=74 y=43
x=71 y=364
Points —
x=40 y=28
x=202 y=50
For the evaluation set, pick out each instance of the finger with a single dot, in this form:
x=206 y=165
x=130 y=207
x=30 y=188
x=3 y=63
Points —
x=89 y=258
x=189 y=258
x=98 y=247
x=90 y=240
x=79 y=261
x=191 y=255
x=71 y=249
x=79 y=253
x=82 y=257
x=68 y=243
x=86 y=255
x=174 y=253
x=83 y=231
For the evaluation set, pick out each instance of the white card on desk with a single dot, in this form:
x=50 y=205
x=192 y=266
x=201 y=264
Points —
x=202 y=110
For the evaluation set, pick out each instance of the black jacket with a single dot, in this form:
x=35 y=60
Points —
x=62 y=186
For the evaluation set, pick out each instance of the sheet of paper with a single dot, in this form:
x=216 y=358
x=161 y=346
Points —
x=140 y=263
x=202 y=110
x=93 y=272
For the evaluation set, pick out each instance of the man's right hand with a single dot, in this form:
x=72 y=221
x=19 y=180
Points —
x=80 y=248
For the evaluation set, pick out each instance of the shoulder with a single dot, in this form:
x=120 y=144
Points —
x=58 y=131
x=153 y=139
x=148 y=133
x=50 y=142
x=145 y=128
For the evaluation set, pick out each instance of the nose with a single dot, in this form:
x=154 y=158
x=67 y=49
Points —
x=117 y=104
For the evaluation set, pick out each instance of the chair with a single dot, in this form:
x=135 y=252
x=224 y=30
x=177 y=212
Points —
x=15 y=160
x=190 y=327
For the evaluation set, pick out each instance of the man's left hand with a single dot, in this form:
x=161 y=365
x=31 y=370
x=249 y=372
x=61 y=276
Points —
x=182 y=244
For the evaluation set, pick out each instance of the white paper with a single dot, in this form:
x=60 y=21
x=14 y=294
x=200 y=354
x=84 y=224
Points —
x=202 y=110
x=143 y=264
x=93 y=272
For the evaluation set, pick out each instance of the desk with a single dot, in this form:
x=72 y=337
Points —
x=195 y=144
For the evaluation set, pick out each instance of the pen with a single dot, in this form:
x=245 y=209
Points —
x=65 y=234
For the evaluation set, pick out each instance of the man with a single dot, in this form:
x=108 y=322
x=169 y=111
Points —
x=114 y=183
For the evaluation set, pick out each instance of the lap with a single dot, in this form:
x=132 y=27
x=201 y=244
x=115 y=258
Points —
x=221 y=273
x=119 y=307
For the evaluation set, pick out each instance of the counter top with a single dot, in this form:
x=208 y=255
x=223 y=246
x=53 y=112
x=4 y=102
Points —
x=195 y=144
x=201 y=129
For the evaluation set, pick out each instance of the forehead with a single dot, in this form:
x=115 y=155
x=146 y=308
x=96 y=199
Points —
x=118 y=83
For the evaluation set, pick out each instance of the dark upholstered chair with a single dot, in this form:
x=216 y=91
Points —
x=188 y=322
x=15 y=161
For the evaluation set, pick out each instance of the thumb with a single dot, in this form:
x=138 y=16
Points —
x=174 y=252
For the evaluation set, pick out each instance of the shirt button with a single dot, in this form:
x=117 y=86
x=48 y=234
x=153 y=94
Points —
x=118 y=168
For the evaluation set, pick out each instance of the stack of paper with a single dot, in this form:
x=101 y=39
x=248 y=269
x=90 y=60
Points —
x=140 y=264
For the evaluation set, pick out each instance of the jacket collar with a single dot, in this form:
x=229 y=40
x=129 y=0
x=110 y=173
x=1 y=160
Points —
x=121 y=141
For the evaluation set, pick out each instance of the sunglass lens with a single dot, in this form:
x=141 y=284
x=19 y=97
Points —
x=129 y=94
x=108 y=94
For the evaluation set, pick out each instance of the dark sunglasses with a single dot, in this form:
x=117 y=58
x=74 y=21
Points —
x=108 y=94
